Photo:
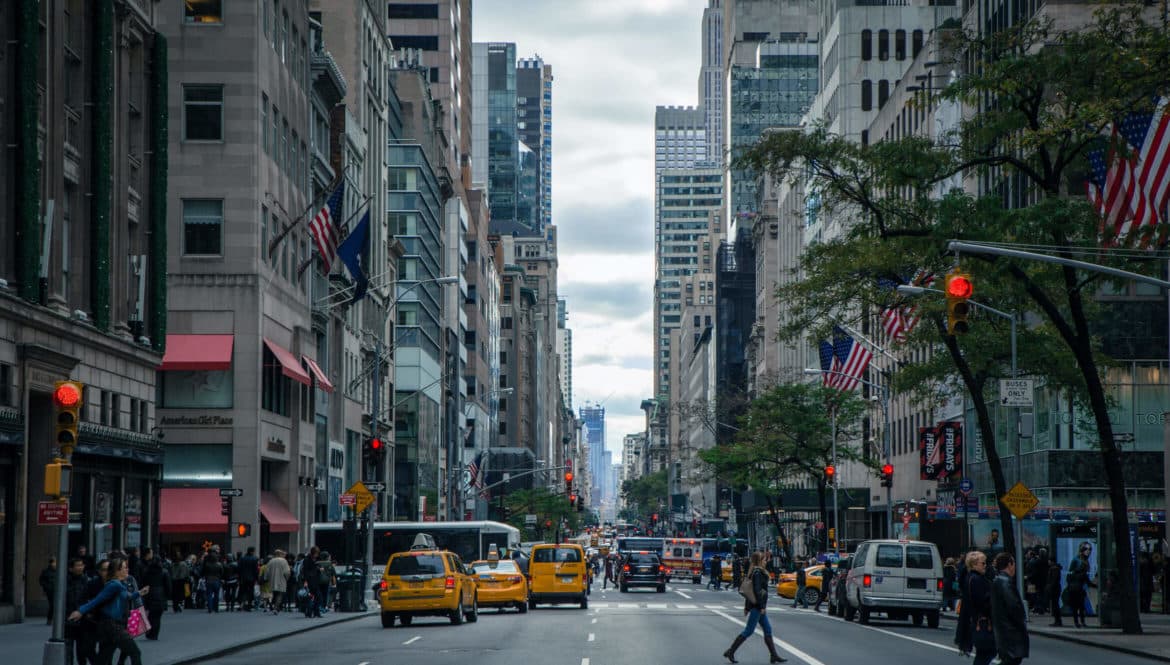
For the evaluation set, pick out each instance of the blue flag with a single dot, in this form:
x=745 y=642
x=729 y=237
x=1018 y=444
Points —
x=351 y=250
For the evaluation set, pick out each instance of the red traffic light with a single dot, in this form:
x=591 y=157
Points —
x=830 y=471
x=375 y=444
x=888 y=469
x=568 y=476
x=67 y=395
x=959 y=286
x=243 y=530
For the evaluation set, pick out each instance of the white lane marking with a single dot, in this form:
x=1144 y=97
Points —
x=364 y=662
x=594 y=621
x=413 y=640
x=655 y=606
x=936 y=645
x=713 y=607
x=686 y=606
x=584 y=661
x=683 y=594
x=627 y=606
x=783 y=645
x=591 y=637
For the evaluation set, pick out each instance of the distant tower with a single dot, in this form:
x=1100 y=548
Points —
x=593 y=415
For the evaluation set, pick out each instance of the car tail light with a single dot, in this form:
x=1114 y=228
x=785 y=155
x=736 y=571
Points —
x=385 y=585
x=515 y=579
x=940 y=586
x=450 y=582
x=662 y=569
x=866 y=581
x=626 y=568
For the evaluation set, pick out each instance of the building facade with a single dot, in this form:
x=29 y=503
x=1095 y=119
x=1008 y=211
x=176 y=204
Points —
x=534 y=82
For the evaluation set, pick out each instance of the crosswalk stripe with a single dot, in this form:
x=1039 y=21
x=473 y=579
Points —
x=682 y=606
x=656 y=606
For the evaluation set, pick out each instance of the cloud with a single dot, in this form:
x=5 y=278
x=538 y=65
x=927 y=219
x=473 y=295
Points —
x=607 y=226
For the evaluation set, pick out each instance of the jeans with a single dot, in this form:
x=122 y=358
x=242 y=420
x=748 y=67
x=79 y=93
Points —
x=754 y=617
x=1076 y=601
x=799 y=597
x=212 y=592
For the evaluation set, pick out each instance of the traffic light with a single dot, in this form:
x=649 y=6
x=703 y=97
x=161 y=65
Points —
x=888 y=475
x=59 y=479
x=375 y=450
x=243 y=529
x=569 y=482
x=67 y=405
x=225 y=506
x=958 y=291
x=830 y=474
x=572 y=501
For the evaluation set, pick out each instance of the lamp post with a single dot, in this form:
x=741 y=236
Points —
x=885 y=401
x=908 y=290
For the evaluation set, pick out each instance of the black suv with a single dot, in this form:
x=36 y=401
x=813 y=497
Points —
x=642 y=569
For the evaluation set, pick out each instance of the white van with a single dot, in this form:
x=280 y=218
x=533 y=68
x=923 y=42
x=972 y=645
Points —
x=902 y=579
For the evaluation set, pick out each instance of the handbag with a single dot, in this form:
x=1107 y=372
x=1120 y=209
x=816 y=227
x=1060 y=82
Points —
x=136 y=623
x=747 y=590
x=983 y=637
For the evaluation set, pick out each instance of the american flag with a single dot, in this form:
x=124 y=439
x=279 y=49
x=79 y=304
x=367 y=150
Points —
x=323 y=227
x=1149 y=134
x=900 y=319
x=1130 y=192
x=853 y=357
x=829 y=365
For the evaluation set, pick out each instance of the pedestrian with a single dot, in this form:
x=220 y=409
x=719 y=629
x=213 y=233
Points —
x=76 y=584
x=212 y=574
x=49 y=585
x=1008 y=614
x=736 y=571
x=249 y=575
x=156 y=577
x=90 y=563
x=277 y=572
x=310 y=579
x=327 y=575
x=717 y=572
x=950 y=583
x=1052 y=591
x=1038 y=581
x=1145 y=581
x=1075 y=583
x=826 y=584
x=801 y=583
x=231 y=582
x=608 y=572
x=976 y=631
x=756 y=609
x=180 y=583
x=112 y=607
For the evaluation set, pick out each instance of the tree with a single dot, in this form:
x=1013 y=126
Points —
x=786 y=438
x=644 y=495
x=1053 y=95
x=548 y=507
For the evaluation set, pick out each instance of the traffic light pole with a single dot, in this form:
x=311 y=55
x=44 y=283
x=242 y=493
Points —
x=836 y=508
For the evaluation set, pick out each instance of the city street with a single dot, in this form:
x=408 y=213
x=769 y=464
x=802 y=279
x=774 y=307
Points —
x=686 y=625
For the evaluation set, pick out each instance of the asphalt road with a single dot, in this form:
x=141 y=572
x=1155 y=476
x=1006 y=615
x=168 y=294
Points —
x=687 y=625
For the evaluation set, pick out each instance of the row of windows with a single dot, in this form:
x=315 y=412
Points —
x=883 y=93
x=883 y=44
x=286 y=40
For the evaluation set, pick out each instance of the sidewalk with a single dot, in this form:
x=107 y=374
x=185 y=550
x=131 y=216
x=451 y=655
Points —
x=191 y=636
x=1154 y=642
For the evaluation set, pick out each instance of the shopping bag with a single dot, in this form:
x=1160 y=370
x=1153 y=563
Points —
x=137 y=624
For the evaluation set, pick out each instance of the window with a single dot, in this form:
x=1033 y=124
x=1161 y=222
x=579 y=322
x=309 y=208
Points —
x=414 y=10
x=889 y=556
x=203 y=112
x=202 y=227
x=203 y=11
x=424 y=42
x=503 y=428
x=883 y=44
x=866 y=95
x=919 y=556
x=276 y=389
x=883 y=92
x=264 y=127
x=917 y=45
x=900 y=45
x=867 y=44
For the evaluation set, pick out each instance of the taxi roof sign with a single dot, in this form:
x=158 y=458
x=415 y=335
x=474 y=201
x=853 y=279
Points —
x=424 y=541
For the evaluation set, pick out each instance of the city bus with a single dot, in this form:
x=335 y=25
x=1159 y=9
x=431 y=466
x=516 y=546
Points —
x=639 y=544
x=470 y=540
x=722 y=547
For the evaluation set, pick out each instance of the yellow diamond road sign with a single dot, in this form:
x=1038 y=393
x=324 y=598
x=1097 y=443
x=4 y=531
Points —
x=365 y=498
x=1019 y=500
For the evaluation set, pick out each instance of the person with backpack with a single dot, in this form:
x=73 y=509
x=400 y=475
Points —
x=756 y=608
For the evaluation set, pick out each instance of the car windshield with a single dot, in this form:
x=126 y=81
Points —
x=502 y=566
x=557 y=555
x=643 y=558
x=416 y=564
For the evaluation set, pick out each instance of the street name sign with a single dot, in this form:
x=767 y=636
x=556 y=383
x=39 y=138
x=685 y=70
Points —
x=1015 y=392
x=364 y=497
x=53 y=513
x=1019 y=500
x=375 y=487
x=347 y=499
x=235 y=491
x=530 y=519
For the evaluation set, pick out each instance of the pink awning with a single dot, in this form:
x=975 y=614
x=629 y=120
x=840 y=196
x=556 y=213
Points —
x=323 y=381
x=280 y=519
x=288 y=363
x=190 y=510
x=197 y=352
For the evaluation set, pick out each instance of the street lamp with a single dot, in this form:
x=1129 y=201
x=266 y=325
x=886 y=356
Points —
x=885 y=400
x=908 y=290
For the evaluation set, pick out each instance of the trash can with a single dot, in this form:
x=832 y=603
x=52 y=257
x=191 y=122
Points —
x=349 y=591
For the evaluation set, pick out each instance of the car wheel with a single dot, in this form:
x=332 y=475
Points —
x=863 y=615
x=811 y=596
x=457 y=615
x=387 y=620
x=917 y=618
x=584 y=603
x=406 y=619
x=522 y=606
x=932 y=619
x=850 y=612
x=474 y=616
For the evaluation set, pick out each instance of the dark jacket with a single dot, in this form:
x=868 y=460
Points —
x=801 y=578
x=48 y=582
x=975 y=595
x=759 y=578
x=1008 y=619
x=249 y=569
x=212 y=571
x=75 y=592
x=1052 y=583
x=159 y=580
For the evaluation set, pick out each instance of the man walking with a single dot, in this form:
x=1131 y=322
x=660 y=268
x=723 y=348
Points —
x=717 y=572
x=277 y=574
x=826 y=585
x=801 y=583
x=608 y=572
x=249 y=575
x=1009 y=617
x=48 y=583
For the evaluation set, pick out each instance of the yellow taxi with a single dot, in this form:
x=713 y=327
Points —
x=813 y=576
x=427 y=581
x=500 y=583
x=557 y=575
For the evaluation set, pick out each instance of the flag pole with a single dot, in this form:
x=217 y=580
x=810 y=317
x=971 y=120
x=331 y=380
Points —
x=365 y=202
x=313 y=205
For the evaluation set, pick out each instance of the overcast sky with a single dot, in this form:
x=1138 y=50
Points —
x=613 y=61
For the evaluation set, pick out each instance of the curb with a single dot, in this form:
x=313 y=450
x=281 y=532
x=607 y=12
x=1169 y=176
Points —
x=1076 y=639
x=228 y=650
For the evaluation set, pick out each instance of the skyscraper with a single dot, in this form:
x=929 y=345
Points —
x=495 y=143
x=593 y=415
x=565 y=349
x=534 y=126
x=711 y=79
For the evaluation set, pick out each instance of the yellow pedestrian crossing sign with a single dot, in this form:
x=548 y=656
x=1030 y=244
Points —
x=365 y=498
x=1019 y=500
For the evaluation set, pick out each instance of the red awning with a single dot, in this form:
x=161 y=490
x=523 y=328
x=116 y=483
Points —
x=190 y=510
x=323 y=381
x=280 y=520
x=197 y=352
x=288 y=363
